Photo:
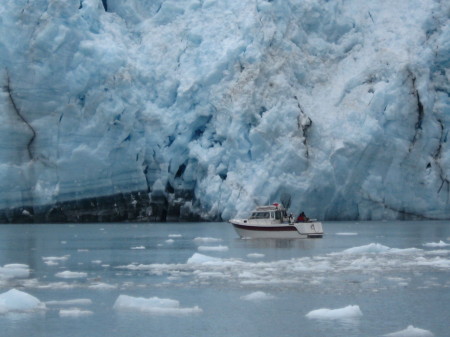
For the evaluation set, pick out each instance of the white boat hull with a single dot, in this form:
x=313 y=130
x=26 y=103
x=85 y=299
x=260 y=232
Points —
x=261 y=230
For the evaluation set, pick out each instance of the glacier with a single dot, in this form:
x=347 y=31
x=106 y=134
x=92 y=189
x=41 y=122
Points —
x=201 y=109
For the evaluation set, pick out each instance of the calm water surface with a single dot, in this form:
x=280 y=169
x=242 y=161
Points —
x=397 y=273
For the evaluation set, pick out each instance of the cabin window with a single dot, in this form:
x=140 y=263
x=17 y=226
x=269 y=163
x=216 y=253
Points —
x=260 y=215
x=278 y=215
x=272 y=215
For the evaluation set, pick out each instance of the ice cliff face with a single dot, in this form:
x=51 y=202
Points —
x=114 y=110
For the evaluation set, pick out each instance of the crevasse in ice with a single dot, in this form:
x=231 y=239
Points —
x=116 y=110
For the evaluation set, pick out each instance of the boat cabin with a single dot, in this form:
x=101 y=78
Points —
x=272 y=212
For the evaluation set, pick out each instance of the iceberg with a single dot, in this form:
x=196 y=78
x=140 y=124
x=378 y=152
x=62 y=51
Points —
x=167 y=110
x=154 y=306
x=349 y=312
x=411 y=331
x=257 y=296
x=18 y=301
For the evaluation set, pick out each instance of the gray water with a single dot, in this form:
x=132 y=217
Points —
x=398 y=277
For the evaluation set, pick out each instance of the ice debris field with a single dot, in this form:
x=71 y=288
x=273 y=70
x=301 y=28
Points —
x=376 y=266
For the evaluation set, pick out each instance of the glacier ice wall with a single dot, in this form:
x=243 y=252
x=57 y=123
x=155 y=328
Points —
x=134 y=109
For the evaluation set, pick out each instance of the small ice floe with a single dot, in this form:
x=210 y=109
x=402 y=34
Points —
x=71 y=274
x=349 y=312
x=18 y=301
x=96 y=261
x=153 y=306
x=200 y=259
x=14 y=270
x=376 y=248
x=347 y=233
x=74 y=312
x=201 y=240
x=76 y=301
x=213 y=248
x=411 y=331
x=170 y=241
x=436 y=244
x=138 y=247
x=102 y=286
x=55 y=260
x=258 y=296
x=255 y=255
x=175 y=235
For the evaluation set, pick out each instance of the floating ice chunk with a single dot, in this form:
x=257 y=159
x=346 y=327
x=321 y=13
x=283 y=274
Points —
x=437 y=262
x=153 y=305
x=213 y=248
x=71 y=274
x=411 y=331
x=55 y=258
x=201 y=240
x=349 y=312
x=96 y=261
x=138 y=247
x=198 y=258
x=14 y=270
x=74 y=312
x=347 y=233
x=18 y=301
x=370 y=248
x=51 y=263
x=175 y=235
x=258 y=296
x=102 y=286
x=255 y=255
x=170 y=241
x=436 y=244
x=77 y=301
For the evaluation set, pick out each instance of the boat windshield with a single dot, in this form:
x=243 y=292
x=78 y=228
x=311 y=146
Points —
x=278 y=215
x=260 y=215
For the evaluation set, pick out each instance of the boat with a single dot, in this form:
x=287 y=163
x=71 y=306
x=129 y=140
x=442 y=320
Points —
x=273 y=222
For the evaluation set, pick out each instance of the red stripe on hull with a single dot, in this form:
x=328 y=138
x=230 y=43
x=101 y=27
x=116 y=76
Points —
x=267 y=229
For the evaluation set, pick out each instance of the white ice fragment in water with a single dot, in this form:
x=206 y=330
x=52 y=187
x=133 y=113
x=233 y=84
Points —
x=349 y=312
x=55 y=259
x=71 y=274
x=102 y=286
x=18 y=301
x=198 y=258
x=436 y=244
x=411 y=331
x=201 y=240
x=258 y=296
x=14 y=270
x=175 y=235
x=255 y=255
x=213 y=248
x=153 y=305
x=77 y=301
x=370 y=248
x=170 y=241
x=138 y=247
x=74 y=312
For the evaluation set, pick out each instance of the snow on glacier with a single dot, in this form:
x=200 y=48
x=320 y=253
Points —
x=222 y=105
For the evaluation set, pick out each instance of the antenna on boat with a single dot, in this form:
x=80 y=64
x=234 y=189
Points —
x=286 y=200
